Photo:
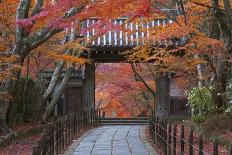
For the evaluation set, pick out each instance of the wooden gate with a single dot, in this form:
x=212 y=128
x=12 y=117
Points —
x=73 y=100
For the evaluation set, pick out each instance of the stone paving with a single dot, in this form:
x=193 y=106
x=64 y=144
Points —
x=114 y=140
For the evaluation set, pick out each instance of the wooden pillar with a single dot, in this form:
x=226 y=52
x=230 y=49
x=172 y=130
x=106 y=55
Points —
x=163 y=96
x=89 y=87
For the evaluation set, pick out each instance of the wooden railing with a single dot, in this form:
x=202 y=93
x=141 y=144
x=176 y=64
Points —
x=59 y=135
x=175 y=139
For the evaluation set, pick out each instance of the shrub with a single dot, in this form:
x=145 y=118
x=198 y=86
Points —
x=218 y=123
x=200 y=99
x=198 y=119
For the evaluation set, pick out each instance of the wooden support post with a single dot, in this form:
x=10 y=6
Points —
x=191 y=141
x=62 y=132
x=182 y=140
x=156 y=131
x=230 y=149
x=159 y=133
x=165 y=137
x=215 y=147
x=69 y=128
x=65 y=131
x=200 y=145
x=74 y=126
x=174 y=140
x=55 y=137
x=78 y=125
x=169 y=138
x=99 y=117
x=52 y=138
x=153 y=130
x=59 y=143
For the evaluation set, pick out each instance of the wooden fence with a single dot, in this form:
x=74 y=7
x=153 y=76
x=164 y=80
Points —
x=59 y=134
x=175 y=139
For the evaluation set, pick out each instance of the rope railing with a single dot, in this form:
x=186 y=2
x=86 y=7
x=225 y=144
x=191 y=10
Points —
x=59 y=135
x=173 y=139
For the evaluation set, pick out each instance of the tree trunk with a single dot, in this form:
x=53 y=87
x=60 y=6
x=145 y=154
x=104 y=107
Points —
x=53 y=81
x=220 y=86
x=50 y=107
x=4 y=129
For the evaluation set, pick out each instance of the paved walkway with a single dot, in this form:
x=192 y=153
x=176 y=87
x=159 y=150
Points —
x=114 y=140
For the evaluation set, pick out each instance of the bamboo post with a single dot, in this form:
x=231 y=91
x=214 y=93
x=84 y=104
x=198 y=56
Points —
x=69 y=128
x=215 y=147
x=165 y=137
x=156 y=130
x=161 y=134
x=182 y=140
x=53 y=137
x=78 y=125
x=59 y=136
x=230 y=149
x=200 y=145
x=169 y=139
x=153 y=130
x=158 y=135
x=62 y=139
x=191 y=141
x=174 y=139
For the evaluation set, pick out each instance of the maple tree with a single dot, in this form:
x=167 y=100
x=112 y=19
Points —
x=30 y=29
x=120 y=96
x=33 y=23
x=204 y=33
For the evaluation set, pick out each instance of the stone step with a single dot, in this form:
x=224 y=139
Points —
x=111 y=123
x=129 y=118
x=125 y=121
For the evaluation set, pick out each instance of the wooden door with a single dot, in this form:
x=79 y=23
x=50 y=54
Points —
x=73 y=99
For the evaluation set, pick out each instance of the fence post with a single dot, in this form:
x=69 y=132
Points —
x=165 y=137
x=59 y=136
x=47 y=138
x=35 y=150
x=215 y=147
x=69 y=128
x=56 y=136
x=191 y=141
x=169 y=139
x=66 y=131
x=91 y=118
x=174 y=139
x=162 y=135
x=156 y=130
x=230 y=149
x=200 y=145
x=75 y=124
x=153 y=130
x=182 y=140
x=62 y=130
x=78 y=125
x=99 y=117
x=53 y=138
x=94 y=118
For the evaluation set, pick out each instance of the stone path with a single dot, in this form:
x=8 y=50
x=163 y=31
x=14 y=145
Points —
x=113 y=140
